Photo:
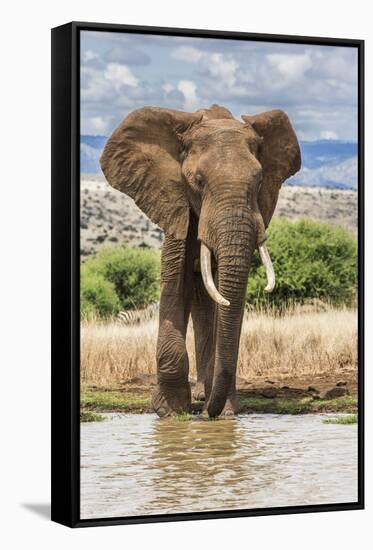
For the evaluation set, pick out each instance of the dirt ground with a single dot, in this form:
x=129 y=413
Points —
x=302 y=395
x=321 y=386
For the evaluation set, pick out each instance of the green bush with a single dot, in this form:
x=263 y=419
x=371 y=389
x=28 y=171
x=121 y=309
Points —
x=131 y=273
x=97 y=295
x=312 y=260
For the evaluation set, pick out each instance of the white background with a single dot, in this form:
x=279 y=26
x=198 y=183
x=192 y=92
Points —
x=25 y=271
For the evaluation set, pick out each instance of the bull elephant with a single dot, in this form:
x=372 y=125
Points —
x=211 y=183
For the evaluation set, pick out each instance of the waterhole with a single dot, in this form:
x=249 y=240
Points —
x=140 y=465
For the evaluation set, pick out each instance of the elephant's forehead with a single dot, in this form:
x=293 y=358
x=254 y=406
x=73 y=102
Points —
x=215 y=128
x=222 y=123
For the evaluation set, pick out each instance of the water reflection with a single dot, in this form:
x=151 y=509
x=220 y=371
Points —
x=194 y=459
x=138 y=464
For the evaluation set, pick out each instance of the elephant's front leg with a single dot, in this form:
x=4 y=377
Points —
x=172 y=394
x=203 y=316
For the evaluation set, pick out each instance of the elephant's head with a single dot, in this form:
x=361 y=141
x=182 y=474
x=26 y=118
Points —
x=229 y=173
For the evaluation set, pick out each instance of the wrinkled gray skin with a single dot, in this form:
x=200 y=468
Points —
x=202 y=177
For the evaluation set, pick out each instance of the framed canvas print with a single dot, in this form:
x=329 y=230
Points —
x=207 y=277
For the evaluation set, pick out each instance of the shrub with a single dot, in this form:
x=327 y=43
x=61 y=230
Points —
x=97 y=295
x=132 y=273
x=312 y=260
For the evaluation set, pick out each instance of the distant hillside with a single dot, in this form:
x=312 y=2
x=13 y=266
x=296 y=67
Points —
x=325 y=163
x=326 y=151
x=342 y=175
x=109 y=218
x=90 y=151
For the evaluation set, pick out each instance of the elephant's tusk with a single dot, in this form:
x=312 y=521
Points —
x=267 y=262
x=207 y=277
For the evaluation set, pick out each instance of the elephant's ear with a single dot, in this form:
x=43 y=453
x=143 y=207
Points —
x=141 y=159
x=279 y=155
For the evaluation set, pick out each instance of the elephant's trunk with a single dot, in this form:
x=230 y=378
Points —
x=208 y=279
x=236 y=243
x=232 y=275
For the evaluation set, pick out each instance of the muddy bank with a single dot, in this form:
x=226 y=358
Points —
x=296 y=396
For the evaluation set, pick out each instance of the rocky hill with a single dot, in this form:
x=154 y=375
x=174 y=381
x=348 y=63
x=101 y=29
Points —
x=110 y=218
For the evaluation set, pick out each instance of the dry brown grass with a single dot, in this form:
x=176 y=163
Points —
x=302 y=344
x=294 y=345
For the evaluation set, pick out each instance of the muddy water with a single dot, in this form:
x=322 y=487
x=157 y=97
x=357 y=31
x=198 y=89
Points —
x=137 y=464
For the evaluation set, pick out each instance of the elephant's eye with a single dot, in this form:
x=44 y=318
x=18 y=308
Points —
x=254 y=148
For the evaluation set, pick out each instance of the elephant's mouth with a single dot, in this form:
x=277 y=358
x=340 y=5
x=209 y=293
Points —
x=208 y=279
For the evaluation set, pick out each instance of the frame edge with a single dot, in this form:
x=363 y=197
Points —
x=65 y=275
x=63 y=508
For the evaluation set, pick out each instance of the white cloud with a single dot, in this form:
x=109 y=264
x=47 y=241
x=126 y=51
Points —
x=100 y=85
x=221 y=70
x=94 y=87
x=217 y=65
x=89 y=55
x=120 y=75
x=188 y=53
x=328 y=134
x=290 y=67
x=224 y=68
x=168 y=87
x=188 y=89
x=96 y=125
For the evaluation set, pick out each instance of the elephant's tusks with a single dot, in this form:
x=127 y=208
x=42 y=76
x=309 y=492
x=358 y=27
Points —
x=207 y=277
x=267 y=262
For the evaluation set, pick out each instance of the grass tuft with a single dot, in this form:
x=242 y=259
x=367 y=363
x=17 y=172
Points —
x=183 y=417
x=350 y=419
x=114 y=401
x=297 y=406
x=89 y=416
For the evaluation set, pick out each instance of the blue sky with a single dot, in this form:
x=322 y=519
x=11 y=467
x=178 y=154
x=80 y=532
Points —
x=315 y=85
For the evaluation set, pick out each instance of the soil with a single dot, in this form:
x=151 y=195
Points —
x=321 y=386
x=262 y=395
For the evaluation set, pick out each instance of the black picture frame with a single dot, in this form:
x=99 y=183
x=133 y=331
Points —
x=65 y=272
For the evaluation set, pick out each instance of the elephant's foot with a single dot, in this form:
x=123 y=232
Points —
x=171 y=401
x=231 y=406
x=199 y=391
